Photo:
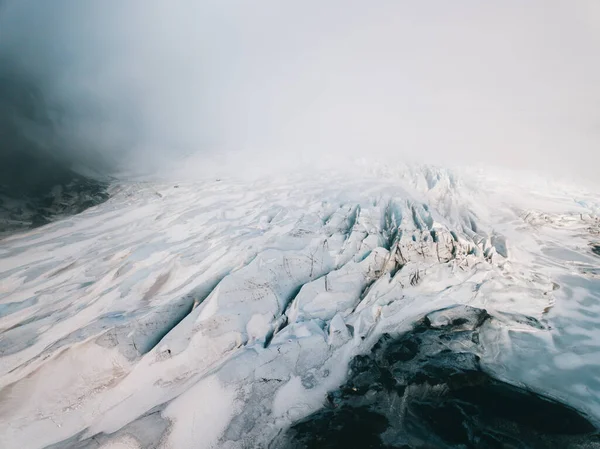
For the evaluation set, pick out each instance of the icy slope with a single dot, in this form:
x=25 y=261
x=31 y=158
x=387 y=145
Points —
x=217 y=313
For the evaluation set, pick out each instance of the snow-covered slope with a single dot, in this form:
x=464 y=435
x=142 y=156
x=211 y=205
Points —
x=217 y=313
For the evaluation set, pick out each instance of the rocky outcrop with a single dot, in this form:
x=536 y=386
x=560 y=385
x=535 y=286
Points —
x=427 y=389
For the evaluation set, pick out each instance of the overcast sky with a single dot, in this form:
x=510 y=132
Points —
x=508 y=82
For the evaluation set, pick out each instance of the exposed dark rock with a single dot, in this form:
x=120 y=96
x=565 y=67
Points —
x=57 y=193
x=37 y=182
x=427 y=389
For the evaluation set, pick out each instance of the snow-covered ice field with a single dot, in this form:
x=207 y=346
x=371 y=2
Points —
x=217 y=313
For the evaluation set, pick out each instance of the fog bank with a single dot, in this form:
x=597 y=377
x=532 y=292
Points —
x=133 y=86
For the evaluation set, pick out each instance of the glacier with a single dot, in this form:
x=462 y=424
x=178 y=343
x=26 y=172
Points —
x=231 y=312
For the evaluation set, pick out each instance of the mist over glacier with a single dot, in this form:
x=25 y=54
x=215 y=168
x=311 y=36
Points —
x=135 y=86
x=230 y=224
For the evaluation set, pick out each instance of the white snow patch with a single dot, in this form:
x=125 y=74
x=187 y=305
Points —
x=200 y=416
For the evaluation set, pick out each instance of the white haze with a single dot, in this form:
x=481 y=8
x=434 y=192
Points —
x=271 y=83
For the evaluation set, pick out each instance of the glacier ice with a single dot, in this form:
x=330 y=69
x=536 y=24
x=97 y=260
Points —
x=223 y=313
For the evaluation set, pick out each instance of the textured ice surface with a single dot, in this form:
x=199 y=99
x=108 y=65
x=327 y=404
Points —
x=217 y=313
